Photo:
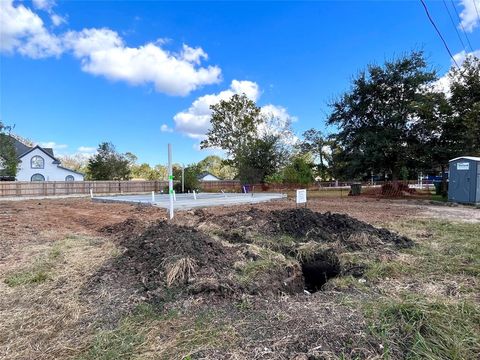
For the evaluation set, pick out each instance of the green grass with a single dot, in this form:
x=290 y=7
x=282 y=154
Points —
x=26 y=277
x=444 y=248
x=253 y=269
x=432 y=326
x=174 y=336
x=413 y=327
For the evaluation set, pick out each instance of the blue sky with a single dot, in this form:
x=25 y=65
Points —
x=142 y=74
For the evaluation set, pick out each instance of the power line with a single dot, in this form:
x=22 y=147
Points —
x=461 y=25
x=454 y=26
x=438 y=32
x=476 y=9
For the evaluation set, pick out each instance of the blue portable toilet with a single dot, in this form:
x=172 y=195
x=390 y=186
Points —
x=464 y=180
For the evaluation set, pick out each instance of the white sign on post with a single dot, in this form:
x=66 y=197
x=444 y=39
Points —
x=302 y=196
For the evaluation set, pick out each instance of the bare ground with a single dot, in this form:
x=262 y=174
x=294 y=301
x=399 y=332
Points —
x=67 y=291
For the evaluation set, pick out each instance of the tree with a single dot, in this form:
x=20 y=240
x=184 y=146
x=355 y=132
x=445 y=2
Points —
x=215 y=165
x=191 y=181
x=377 y=114
x=261 y=158
x=465 y=103
x=8 y=157
x=234 y=124
x=76 y=162
x=298 y=171
x=317 y=144
x=108 y=164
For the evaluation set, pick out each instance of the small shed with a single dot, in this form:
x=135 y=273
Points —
x=464 y=180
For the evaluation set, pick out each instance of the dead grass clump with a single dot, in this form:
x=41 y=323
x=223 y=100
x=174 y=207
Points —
x=179 y=270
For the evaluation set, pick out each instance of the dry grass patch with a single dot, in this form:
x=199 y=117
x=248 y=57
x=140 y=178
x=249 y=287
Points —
x=179 y=270
x=49 y=320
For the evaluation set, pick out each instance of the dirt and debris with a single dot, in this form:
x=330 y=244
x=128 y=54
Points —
x=242 y=253
x=300 y=224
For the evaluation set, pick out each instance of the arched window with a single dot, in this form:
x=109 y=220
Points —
x=37 y=162
x=69 y=178
x=37 y=177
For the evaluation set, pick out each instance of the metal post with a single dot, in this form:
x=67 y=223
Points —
x=170 y=179
x=183 y=178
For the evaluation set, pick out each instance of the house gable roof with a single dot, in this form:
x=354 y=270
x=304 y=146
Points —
x=47 y=151
x=204 y=174
x=21 y=149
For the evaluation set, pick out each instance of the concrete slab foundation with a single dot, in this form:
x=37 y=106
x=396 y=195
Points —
x=187 y=201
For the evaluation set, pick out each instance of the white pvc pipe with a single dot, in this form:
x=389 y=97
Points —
x=91 y=192
x=194 y=195
x=153 y=196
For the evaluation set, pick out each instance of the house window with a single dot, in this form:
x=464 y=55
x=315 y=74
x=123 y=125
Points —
x=69 y=178
x=37 y=162
x=37 y=177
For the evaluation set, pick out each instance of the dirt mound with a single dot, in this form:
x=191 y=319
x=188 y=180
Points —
x=303 y=224
x=166 y=258
x=166 y=255
x=125 y=229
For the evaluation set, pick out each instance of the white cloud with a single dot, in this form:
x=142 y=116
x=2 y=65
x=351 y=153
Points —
x=58 y=20
x=103 y=52
x=87 y=149
x=195 y=121
x=193 y=55
x=443 y=83
x=53 y=145
x=43 y=4
x=22 y=30
x=278 y=122
x=166 y=128
x=469 y=14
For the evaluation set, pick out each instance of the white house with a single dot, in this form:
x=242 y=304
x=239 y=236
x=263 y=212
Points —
x=206 y=176
x=39 y=164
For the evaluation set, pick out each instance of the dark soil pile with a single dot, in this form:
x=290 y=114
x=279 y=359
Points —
x=147 y=257
x=302 y=224
x=125 y=229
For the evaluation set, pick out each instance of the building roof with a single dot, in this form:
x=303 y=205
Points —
x=74 y=171
x=21 y=149
x=47 y=151
x=474 y=158
x=204 y=174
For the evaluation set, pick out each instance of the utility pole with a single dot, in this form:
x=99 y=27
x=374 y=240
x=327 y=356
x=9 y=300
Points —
x=170 y=179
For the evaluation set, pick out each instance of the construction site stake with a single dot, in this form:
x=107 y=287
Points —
x=170 y=179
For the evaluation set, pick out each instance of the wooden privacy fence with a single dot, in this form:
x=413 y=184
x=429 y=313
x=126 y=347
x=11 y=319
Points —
x=53 y=188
